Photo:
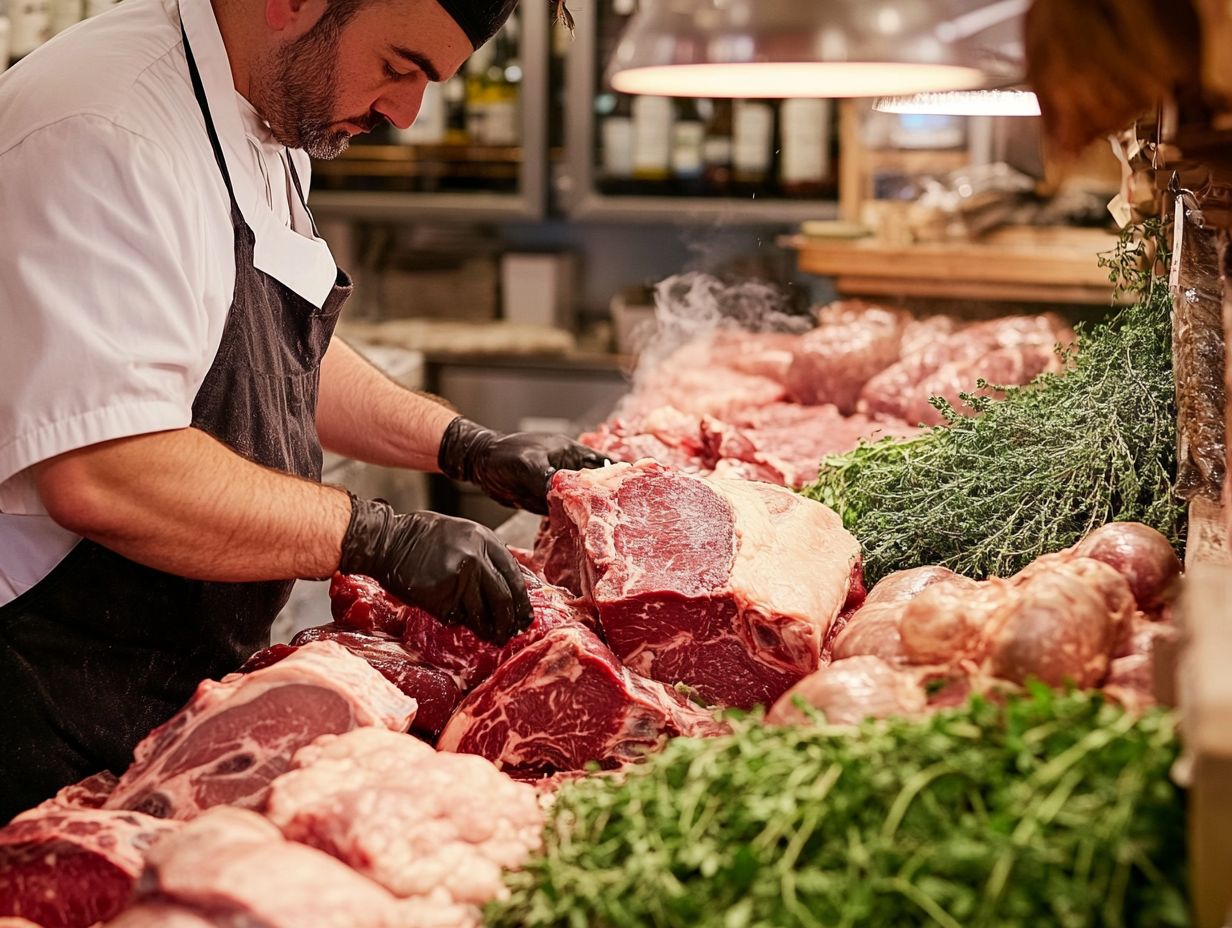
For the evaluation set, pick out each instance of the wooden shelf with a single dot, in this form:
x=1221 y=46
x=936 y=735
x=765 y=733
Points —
x=1031 y=264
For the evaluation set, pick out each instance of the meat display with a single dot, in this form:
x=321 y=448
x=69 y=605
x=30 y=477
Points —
x=565 y=701
x=71 y=867
x=235 y=736
x=436 y=692
x=426 y=825
x=851 y=344
x=1007 y=351
x=233 y=867
x=1088 y=616
x=727 y=586
x=362 y=602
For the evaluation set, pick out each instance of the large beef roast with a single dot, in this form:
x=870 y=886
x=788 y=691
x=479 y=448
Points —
x=728 y=586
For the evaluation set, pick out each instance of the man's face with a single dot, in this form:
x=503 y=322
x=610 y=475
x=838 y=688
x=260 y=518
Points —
x=353 y=69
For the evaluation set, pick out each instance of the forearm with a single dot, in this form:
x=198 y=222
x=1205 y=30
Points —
x=182 y=502
x=363 y=414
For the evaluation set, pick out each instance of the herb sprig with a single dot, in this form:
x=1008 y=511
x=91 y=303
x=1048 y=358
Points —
x=1034 y=472
x=1052 y=809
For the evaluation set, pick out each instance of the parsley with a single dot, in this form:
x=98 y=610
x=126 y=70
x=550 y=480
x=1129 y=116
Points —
x=1053 y=809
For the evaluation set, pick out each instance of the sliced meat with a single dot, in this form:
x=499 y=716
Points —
x=235 y=736
x=727 y=586
x=362 y=602
x=69 y=868
x=419 y=822
x=436 y=692
x=564 y=702
x=849 y=691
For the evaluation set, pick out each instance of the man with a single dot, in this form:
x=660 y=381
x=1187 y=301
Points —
x=168 y=373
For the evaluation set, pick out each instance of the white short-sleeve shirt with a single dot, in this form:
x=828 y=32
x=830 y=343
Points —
x=117 y=260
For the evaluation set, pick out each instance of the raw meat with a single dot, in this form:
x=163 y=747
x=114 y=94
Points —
x=701 y=388
x=422 y=823
x=852 y=343
x=665 y=434
x=1061 y=625
x=1007 y=351
x=232 y=864
x=565 y=701
x=363 y=603
x=948 y=621
x=89 y=793
x=905 y=585
x=848 y=691
x=69 y=868
x=727 y=586
x=435 y=692
x=874 y=631
x=1142 y=556
x=235 y=736
x=163 y=915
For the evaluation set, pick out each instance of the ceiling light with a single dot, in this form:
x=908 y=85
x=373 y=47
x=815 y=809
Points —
x=804 y=48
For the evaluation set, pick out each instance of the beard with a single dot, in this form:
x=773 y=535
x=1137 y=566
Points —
x=296 y=92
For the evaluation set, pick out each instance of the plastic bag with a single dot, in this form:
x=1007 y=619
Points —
x=1198 y=352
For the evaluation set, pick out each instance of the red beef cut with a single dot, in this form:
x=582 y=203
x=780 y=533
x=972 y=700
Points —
x=235 y=736
x=437 y=693
x=564 y=701
x=727 y=586
x=72 y=867
x=363 y=603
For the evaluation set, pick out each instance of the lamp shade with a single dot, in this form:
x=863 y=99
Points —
x=799 y=48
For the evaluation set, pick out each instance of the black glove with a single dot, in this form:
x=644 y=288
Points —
x=458 y=571
x=513 y=469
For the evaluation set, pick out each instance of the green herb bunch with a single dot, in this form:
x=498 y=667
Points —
x=1054 y=809
x=1034 y=472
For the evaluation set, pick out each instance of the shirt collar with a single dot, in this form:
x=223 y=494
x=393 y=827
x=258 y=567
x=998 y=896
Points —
x=303 y=264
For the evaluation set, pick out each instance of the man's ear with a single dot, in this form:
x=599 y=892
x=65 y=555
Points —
x=296 y=16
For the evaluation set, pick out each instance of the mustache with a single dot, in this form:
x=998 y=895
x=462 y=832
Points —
x=367 y=122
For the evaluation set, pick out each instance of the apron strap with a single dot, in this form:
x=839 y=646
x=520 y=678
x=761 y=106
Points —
x=300 y=190
x=203 y=103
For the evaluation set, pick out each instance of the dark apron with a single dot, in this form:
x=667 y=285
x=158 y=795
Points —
x=103 y=649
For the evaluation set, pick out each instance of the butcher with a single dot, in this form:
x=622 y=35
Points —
x=169 y=374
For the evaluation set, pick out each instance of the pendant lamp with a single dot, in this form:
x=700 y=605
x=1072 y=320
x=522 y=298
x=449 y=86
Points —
x=800 y=48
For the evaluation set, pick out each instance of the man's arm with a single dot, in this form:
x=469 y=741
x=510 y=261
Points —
x=363 y=414
x=182 y=502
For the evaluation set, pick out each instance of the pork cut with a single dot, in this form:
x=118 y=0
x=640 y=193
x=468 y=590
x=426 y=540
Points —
x=233 y=866
x=852 y=343
x=72 y=867
x=436 y=692
x=727 y=586
x=566 y=701
x=235 y=736
x=362 y=602
x=1010 y=350
x=422 y=823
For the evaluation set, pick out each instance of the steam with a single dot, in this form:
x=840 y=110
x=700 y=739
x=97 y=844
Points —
x=690 y=309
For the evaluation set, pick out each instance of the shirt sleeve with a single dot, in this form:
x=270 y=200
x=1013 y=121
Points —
x=107 y=331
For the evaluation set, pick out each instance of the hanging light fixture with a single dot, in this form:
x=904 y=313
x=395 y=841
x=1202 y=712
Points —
x=800 y=48
x=994 y=34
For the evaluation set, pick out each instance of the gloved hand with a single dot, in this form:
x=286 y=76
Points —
x=458 y=571
x=513 y=469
